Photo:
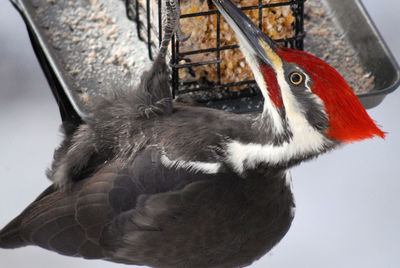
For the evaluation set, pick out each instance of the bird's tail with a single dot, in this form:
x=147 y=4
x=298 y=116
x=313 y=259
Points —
x=10 y=235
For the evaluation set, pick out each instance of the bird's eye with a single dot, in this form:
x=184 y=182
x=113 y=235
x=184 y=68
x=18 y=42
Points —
x=296 y=78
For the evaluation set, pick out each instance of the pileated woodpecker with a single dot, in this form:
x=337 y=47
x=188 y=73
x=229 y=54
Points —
x=150 y=182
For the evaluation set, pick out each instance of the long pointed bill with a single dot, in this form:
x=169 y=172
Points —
x=259 y=49
x=249 y=35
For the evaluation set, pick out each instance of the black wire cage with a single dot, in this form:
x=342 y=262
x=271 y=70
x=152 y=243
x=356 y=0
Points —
x=198 y=72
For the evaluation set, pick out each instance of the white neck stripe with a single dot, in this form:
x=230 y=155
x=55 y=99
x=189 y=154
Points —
x=305 y=141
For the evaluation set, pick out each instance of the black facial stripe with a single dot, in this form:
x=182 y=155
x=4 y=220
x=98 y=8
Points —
x=312 y=108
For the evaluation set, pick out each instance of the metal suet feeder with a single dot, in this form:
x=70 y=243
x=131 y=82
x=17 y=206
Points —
x=87 y=48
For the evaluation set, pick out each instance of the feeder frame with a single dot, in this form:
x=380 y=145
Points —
x=146 y=29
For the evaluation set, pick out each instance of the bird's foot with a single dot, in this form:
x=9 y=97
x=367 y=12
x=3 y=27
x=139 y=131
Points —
x=171 y=24
x=174 y=9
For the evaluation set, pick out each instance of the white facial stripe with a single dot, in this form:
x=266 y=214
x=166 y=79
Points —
x=305 y=140
x=307 y=82
x=315 y=97
x=195 y=166
x=292 y=106
x=269 y=107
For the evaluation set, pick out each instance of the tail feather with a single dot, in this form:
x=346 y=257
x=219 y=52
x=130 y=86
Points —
x=10 y=236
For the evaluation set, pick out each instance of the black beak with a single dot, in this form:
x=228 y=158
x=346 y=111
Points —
x=249 y=35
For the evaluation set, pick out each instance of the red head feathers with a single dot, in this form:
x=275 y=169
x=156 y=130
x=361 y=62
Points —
x=348 y=119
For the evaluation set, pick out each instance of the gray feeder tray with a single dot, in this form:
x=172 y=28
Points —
x=373 y=51
x=87 y=47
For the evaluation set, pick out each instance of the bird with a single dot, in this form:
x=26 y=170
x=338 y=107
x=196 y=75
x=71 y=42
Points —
x=148 y=181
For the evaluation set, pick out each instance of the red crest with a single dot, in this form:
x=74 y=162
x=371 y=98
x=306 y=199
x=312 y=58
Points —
x=348 y=119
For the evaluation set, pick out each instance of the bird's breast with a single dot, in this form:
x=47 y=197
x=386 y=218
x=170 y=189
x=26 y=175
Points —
x=226 y=221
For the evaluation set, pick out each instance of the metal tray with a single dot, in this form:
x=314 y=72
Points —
x=58 y=58
x=374 y=54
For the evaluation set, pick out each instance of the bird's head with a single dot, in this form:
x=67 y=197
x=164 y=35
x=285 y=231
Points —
x=299 y=88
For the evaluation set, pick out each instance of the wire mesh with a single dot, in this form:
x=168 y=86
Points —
x=187 y=62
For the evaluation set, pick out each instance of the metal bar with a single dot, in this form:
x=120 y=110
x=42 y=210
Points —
x=198 y=14
x=68 y=112
x=159 y=23
x=175 y=74
x=149 y=29
x=260 y=14
x=213 y=87
x=299 y=29
x=212 y=12
x=207 y=50
x=221 y=86
x=138 y=22
x=195 y=64
x=218 y=48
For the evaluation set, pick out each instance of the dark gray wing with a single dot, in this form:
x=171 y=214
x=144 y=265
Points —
x=72 y=220
x=149 y=214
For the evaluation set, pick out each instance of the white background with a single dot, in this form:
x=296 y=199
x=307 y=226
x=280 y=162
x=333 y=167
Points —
x=348 y=201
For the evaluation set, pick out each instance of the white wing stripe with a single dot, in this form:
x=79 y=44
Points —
x=195 y=166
